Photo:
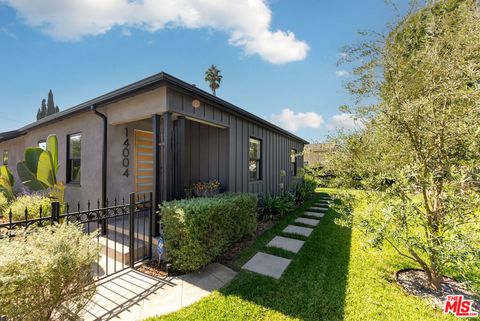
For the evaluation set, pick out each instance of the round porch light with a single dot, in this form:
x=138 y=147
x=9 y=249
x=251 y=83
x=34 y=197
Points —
x=196 y=103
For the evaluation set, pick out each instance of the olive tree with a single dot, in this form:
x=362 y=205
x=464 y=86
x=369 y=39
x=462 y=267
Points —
x=417 y=91
x=46 y=274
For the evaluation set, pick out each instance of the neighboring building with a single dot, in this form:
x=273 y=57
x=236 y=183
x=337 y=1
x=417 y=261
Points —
x=160 y=135
x=314 y=154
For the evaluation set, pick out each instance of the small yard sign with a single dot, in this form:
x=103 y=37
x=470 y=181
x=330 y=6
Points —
x=160 y=247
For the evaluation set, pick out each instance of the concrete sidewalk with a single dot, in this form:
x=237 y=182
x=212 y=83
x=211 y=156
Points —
x=133 y=295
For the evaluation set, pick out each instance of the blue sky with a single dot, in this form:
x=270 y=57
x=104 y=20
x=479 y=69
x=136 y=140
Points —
x=83 y=50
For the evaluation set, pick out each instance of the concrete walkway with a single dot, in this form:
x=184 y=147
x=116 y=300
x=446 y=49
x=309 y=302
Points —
x=133 y=295
x=274 y=266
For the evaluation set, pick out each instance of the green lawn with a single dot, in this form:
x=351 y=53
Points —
x=333 y=277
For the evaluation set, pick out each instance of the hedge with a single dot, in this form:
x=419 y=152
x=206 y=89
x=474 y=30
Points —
x=198 y=230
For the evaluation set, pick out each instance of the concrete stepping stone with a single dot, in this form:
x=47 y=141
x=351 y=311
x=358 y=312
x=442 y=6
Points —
x=307 y=221
x=321 y=205
x=321 y=209
x=299 y=230
x=315 y=214
x=266 y=264
x=286 y=243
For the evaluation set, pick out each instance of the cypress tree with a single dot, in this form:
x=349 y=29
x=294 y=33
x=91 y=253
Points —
x=43 y=110
x=39 y=114
x=50 y=104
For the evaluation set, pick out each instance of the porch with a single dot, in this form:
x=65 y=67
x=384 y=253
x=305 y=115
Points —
x=163 y=155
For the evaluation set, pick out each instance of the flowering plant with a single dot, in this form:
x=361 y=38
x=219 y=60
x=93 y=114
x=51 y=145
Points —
x=206 y=189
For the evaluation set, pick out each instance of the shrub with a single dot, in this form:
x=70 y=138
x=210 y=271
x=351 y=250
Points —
x=46 y=275
x=305 y=189
x=3 y=203
x=276 y=206
x=199 y=229
x=33 y=203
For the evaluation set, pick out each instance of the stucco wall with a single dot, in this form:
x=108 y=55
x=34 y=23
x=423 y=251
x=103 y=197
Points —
x=90 y=126
x=16 y=149
x=137 y=107
x=118 y=185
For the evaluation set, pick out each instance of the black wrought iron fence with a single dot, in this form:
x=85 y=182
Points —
x=124 y=229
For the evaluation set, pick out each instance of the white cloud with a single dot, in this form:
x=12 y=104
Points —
x=126 y=32
x=344 y=121
x=247 y=22
x=342 y=73
x=8 y=33
x=292 y=121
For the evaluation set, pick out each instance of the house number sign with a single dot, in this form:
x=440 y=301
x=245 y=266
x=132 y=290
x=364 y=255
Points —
x=126 y=154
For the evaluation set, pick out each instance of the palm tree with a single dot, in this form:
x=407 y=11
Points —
x=213 y=77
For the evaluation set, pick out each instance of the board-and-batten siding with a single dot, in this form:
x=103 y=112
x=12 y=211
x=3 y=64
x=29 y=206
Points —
x=206 y=152
x=276 y=147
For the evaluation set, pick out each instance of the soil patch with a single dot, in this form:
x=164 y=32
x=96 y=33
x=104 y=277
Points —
x=415 y=282
x=157 y=269
x=227 y=257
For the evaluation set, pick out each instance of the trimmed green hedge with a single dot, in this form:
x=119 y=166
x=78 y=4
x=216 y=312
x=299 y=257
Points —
x=198 y=230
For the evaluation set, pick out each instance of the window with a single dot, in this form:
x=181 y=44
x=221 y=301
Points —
x=42 y=144
x=74 y=158
x=255 y=160
x=293 y=162
x=5 y=157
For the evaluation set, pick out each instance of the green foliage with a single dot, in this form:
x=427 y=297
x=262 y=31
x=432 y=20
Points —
x=46 y=275
x=7 y=182
x=199 y=229
x=50 y=104
x=305 y=189
x=213 y=77
x=31 y=202
x=3 y=203
x=47 y=108
x=38 y=171
x=272 y=207
x=419 y=150
x=334 y=277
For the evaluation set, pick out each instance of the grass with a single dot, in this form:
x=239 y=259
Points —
x=333 y=277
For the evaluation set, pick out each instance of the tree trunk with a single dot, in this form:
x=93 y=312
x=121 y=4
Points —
x=434 y=279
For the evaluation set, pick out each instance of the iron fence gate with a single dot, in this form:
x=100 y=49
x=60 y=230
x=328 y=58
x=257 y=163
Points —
x=124 y=230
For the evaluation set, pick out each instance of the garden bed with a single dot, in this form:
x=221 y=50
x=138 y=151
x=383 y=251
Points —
x=154 y=268
x=415 y=282
x=228 y=257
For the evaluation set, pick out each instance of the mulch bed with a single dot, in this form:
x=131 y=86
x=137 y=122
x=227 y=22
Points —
x=227 y=257
x=154 y=268
x=415 y=282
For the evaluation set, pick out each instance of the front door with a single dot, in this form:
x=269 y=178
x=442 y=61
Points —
x=143 y=161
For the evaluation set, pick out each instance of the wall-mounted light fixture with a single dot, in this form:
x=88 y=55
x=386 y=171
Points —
x=196 y=103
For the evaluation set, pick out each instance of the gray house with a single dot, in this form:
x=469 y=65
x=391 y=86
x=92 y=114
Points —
x=160 y=135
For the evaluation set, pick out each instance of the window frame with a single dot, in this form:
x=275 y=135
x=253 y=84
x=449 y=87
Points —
x=70 y=179
x=42 y=141
x=293 y=162
x=259 y=161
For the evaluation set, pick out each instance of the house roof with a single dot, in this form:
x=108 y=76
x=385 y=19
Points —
x=148 y=83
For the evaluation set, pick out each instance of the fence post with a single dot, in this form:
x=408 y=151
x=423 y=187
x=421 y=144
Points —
x=152 y=225
x=55 y=208
x=131 y=230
